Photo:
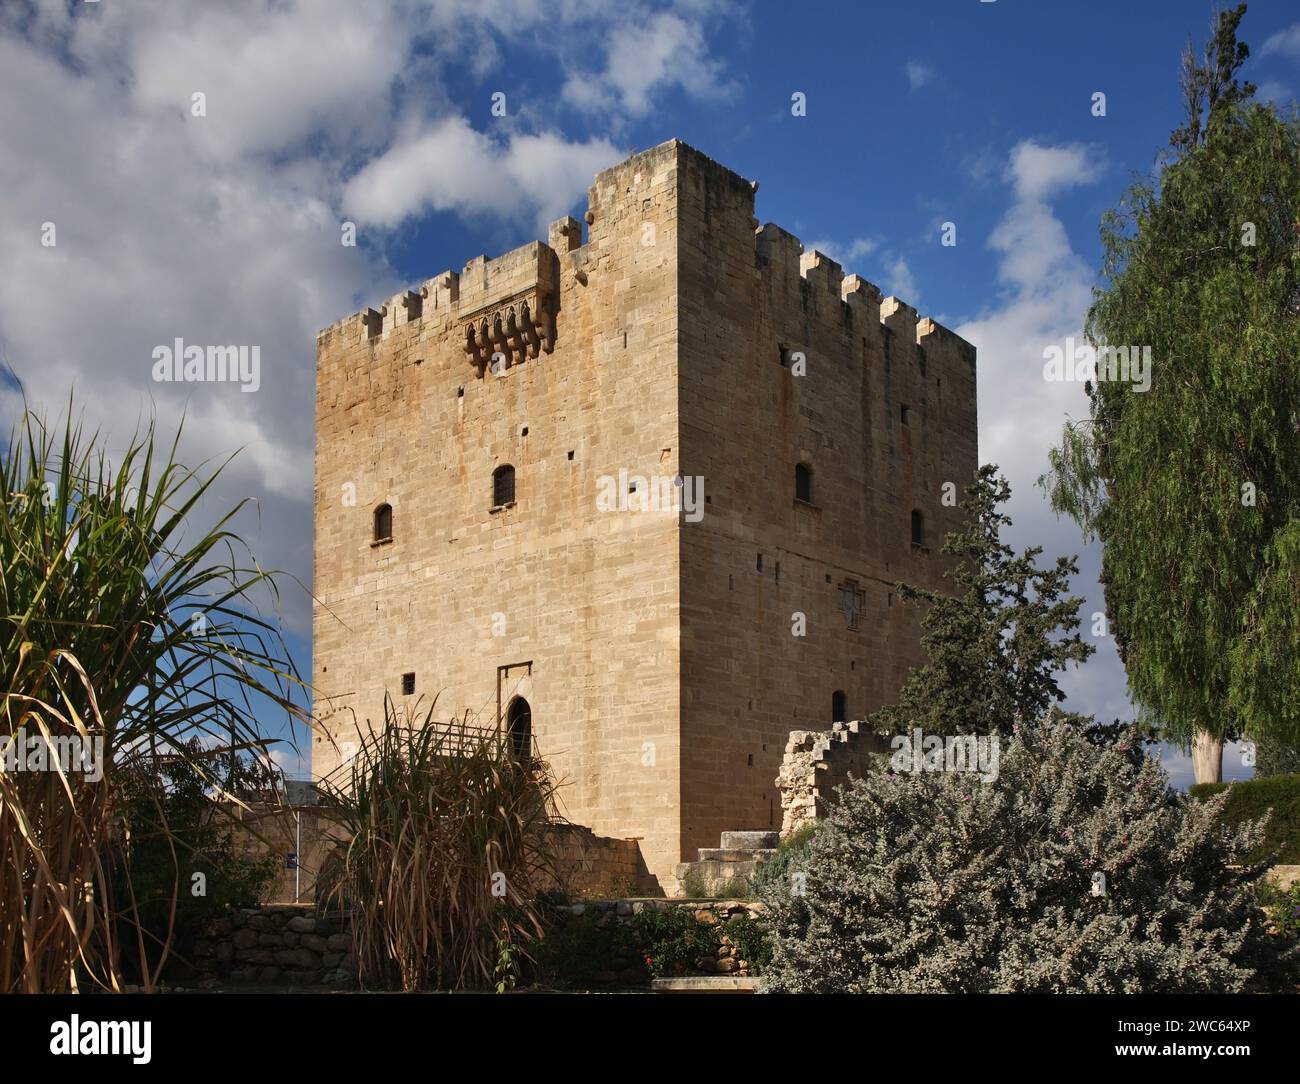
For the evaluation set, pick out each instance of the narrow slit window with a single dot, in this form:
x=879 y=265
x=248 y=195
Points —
x=383 y=523
x=803 y=483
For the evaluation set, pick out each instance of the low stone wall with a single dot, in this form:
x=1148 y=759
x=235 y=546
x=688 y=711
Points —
x=277 y=946
x=816 y=762
x=726 y=960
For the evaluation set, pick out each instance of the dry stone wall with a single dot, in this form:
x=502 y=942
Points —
x=295 y=946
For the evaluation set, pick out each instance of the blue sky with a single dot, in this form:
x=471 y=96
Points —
x=225 y=227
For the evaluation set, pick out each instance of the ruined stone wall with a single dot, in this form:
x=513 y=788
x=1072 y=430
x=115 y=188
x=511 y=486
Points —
x=817 y=762
x=751 y=302
x=581 y=604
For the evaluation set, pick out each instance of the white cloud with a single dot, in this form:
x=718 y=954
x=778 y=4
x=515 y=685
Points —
x=1046 y=290
x=899 y=282
x=918 y=74
x=1039 y=172
x=450 y=166
x=1284 y=42
x=1272 y=91
x=225 y=229
x=645 y=59
x=848 y=254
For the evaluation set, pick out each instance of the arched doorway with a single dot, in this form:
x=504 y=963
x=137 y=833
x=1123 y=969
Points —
x=519 y=724
x=839 y=706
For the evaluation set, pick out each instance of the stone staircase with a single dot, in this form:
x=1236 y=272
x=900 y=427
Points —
x=718 y=870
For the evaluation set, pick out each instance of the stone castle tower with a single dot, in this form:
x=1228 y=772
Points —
x=643 y=499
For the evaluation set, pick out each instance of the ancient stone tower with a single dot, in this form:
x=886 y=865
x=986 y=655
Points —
x=643 y=499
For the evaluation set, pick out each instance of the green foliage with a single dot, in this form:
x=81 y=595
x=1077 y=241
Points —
x=126 y=624
x=576 y=950
x=1278 y=797
x=170 y=830
x=994 y=644
x=750 y=937
x=1283 y=906
x=673 y=939
x=1274 y=757
x=790 y=853
x=1203 y=266
x=938 y=882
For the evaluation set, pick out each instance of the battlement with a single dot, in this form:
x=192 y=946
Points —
x=506 y=306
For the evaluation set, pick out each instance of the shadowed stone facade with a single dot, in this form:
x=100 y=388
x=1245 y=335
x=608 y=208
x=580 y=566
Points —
x=656 y=650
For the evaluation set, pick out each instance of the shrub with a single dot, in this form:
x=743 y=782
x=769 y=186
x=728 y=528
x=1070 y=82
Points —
x=937 y=882
x=789 y=856
x=751 y=940
x=674 y=939
x=1283 y=906
x=125 y=624
x=172 y=828
x=577 y=951
x=1249 y=800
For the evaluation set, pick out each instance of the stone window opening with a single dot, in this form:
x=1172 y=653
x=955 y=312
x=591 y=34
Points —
x=853 y=601
x=384 y=523
x=839 y=707
x=918 y=528
x=408 y=684
x=503 y=486
x=519 y=726
x=905 y=415
x=803 y=483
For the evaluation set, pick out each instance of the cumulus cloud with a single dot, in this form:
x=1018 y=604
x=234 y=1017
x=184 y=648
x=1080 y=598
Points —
x=1038 y=172
x=1045 y=291
x=451 y=167
x=224 y=229
x=847 y=254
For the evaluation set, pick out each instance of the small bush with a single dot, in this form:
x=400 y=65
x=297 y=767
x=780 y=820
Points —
x=674 y=939
x=788 y=857
x=577 y=951
x=751 y=940
x=1249 y=800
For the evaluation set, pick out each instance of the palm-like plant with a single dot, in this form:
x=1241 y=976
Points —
x=445 y=847
x=123 y=627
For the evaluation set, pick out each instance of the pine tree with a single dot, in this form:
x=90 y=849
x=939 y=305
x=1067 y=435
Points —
x=995 y=644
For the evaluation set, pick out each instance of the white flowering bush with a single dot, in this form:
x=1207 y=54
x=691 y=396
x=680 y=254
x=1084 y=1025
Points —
x=1078 y=869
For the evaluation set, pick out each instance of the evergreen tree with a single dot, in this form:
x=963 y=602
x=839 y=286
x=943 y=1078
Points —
x=995 y=644
x=1193 y=486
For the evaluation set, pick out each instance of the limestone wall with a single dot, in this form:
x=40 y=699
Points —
x=785 y=360
x=548 y=598
x=819 y=761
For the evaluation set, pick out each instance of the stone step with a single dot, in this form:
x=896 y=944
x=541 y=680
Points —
x=722 y=854
x=750 y=841
x=706 y=984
